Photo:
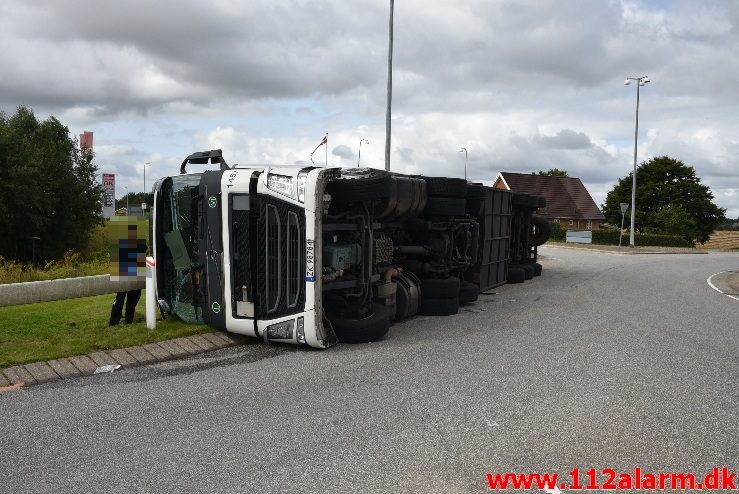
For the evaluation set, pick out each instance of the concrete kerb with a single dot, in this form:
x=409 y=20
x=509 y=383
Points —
x=607 y=249
x=18 y=376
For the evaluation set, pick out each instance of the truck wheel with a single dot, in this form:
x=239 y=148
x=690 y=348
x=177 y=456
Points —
x=528 y=271
x=360 y=184
x=439 y=306
x=446 y=187
x=371 y=328
x=439 y=287
x=408 y=296
x=519 y=200
x=468 y=292
x=537 y=269
x=445 y=206
x=541 y=231
x=515 y=274
x=476 y=191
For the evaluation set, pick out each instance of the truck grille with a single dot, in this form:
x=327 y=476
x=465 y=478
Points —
x=281 y=263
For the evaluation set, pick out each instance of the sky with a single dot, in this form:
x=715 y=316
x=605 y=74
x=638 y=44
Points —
x=523 y=85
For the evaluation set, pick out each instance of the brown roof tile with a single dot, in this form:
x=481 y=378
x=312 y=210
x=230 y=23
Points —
x=566 y=197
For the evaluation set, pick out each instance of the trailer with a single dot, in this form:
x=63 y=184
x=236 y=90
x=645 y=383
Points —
x=318 y=255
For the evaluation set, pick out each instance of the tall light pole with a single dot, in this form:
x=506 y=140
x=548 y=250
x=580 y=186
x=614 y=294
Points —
x=640 y=81
x=126 y=199
x=464 y=150
x=145 y=165
x=360 y=150
x=389 y=88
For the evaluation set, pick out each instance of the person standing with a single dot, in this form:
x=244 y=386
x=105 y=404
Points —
x=131 y=257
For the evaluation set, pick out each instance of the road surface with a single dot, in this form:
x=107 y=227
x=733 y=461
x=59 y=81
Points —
x=606 y=361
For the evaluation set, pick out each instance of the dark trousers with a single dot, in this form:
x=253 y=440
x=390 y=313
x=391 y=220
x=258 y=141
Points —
x=132 y=298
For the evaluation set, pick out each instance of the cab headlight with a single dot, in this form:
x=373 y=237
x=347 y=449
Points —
x=281 y=331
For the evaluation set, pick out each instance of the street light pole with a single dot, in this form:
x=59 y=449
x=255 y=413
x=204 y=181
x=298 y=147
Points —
x=145 y=165
x=389 y=88
x=465 y=161
x=126 y=199
x=360 y=150
x=640 y=81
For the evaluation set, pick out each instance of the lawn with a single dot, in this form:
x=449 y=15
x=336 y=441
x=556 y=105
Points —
x=49 y=330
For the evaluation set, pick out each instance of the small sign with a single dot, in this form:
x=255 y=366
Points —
x=216 y=307
x=624 y=206
x=579 y=237
x=212 y=201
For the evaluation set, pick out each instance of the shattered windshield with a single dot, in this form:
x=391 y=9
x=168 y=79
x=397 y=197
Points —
x=180 y=255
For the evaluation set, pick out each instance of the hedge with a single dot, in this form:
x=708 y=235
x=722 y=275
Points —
x=610 y=237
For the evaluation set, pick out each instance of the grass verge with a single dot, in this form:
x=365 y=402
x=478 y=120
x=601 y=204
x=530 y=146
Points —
x=63 y=328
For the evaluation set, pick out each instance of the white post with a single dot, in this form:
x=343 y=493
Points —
x=151 y=318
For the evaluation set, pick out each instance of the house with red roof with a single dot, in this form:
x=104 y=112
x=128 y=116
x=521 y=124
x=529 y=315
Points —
x=568 y=201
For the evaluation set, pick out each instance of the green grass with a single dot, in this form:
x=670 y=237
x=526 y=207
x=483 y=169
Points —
x=49 y=330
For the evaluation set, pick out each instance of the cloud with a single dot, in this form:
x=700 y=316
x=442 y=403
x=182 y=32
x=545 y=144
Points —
x=525 y=85
x=343 y=151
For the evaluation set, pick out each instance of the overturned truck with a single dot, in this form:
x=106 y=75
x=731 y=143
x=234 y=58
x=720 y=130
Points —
x=317 y=255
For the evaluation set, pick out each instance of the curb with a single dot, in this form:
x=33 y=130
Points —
x=19 y=376
x=628 y=252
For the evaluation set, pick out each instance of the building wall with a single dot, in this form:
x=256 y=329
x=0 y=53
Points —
x=577 y=224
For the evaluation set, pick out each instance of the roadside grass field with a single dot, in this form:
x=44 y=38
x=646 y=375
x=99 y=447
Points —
x=725 y=240
x=64 y=328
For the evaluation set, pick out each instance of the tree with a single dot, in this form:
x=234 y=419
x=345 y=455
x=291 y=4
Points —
x=554 y=172
x=135 y=199
x=670 y=198
x=47 y=188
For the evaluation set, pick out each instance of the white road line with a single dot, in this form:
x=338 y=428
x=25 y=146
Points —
x=708 y=280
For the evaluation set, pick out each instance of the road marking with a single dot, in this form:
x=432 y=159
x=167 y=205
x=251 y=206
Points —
x=715 y=288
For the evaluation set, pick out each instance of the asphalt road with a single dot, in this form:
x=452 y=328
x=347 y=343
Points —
x=606 y=360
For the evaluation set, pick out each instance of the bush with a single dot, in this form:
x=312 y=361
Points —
x=70 y=266
x=557 y=233
x=610 y=237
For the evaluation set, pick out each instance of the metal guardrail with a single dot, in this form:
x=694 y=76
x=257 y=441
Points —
x=46 y=291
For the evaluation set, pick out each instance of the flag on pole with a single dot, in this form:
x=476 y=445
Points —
x=323 y=141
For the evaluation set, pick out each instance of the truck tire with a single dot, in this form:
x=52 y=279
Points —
x=446 y=187
x=516 y=274
x=468 y=292
x=360 y=184
x=439 y=306
x=519 y=200
x=407 y=298
x=542 y=230
x=528 y=271
x=537 y=269
x=475 y=191
x=444 y=206
x=371 y=328
x=439 y=287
